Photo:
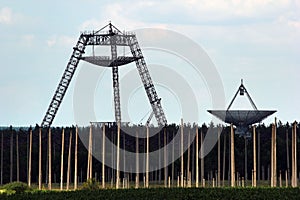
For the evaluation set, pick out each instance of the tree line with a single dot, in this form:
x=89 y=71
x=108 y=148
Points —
x=15 y=151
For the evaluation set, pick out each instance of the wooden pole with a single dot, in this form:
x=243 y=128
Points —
x=246 y=158
x=103 y=156
x=224 y=160
x=91 y=154
x=75 y=160
x=62 y=160
x=197 y=157
x=124 y=161
x=232 y=157
x=252 y=177
x=88 y=160
x=159 y=159
x=113 y=161
x=280 y=179
x=88 y=176
x=18 y=160
x=1 y=158
x=229 y=157
x=272 y=156
x=219 y=159
x=193 y=164
x=293 y=158
x=165 y=158
x=50 y=163
x=181 y=153
x=69 y=161
x=287 y=154
x=275 y=153
x=202 y=158
x=147 y=158
x=274 y=162
x=118 y=158
x=40 y=158
x=137 y=177
x=30 y=154
x=258 y=156
x=286 y=179
x=27 y=155
x=11 y=155
x=254 y=156
x=295 y=154
x=173 y=157
x=188 y=159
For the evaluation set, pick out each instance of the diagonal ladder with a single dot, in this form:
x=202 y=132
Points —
x=62 y=87
x=147 y=81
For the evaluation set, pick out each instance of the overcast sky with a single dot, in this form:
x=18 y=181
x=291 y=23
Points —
x=257 y=40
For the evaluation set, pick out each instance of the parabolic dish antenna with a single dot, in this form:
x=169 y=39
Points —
x=242 y=119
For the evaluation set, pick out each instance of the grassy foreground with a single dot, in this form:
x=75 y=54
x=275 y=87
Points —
x=163 y=193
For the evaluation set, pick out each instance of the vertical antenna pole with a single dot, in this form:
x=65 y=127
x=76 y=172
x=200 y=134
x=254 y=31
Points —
x=69 y=162
x=1 y=158
x=75 y=160
x=232 y=157
x=40 y=158
x=62 y=160
x=254 y=156
x=50 y=161
x=103 y=156
x=181 y=153
x=165 y=158
x=224 y=159
x=147 y=158
x=118 y=158
x=188 y=160
x=18 y=161
x=11 y=154
x=197 y=157
x=30 y=154
x=202 y=158
x=219 y=159
x=137 y=159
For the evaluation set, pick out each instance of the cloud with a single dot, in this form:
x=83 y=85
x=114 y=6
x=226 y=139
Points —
x=291 y=19
x=62 y=40
x=124 y=16
x=194 y=12
x=242 y=23
x=7 y=16
x=295 y=24
x=237 y=7
x=28 y=40
x=51 y=41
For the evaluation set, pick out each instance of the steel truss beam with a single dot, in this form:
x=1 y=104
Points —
x=111 y=38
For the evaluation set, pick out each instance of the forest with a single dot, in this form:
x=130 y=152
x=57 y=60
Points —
x=15 y=152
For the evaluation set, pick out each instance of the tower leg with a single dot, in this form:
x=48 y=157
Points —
x=147 y=82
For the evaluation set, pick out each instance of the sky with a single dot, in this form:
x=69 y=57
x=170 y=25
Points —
x=254 y=40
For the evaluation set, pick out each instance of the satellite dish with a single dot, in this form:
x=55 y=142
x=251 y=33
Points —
x=242 y=119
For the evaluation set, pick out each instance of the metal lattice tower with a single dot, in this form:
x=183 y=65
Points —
x=113 y=38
